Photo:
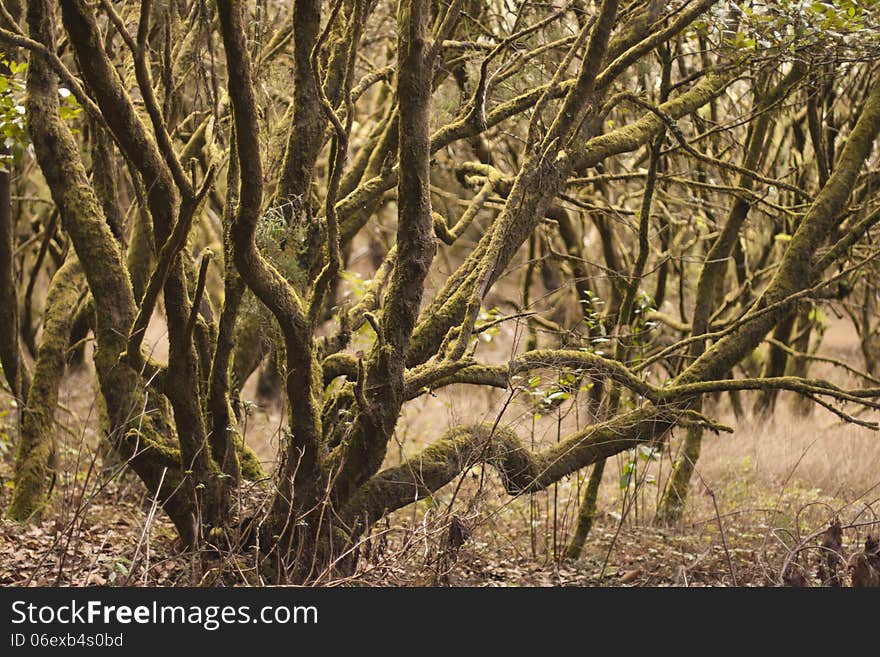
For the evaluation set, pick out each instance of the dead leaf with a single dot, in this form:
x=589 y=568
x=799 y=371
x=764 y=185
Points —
x=96 y=579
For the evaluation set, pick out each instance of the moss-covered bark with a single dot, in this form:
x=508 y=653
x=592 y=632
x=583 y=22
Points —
x=586 y=513
x=37 y=442
x=249 y=345
x=775 y=364
x=306 y=133
x=521 y=470
x=140 y=253
x=132 y=434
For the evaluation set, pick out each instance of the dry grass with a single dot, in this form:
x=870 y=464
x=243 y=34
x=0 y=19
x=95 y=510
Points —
x=816 y=452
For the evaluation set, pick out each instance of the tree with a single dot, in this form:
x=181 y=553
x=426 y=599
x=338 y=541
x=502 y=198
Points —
x=547 y=124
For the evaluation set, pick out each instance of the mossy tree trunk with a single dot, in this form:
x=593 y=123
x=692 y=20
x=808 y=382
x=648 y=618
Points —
x=37 y=445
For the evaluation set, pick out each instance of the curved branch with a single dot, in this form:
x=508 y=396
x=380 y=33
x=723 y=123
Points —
x=521 y=470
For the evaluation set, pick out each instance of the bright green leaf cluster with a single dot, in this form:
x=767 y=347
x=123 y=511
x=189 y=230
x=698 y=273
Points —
x=13 y=119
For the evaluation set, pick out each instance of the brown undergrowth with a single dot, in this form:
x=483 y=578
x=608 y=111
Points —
x=758 y=517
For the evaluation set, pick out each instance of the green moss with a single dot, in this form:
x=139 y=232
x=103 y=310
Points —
x=37 y=444
x=251 y=468
x=671 y=505
x=586 y=513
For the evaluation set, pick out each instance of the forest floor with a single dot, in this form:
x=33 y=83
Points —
x=761 y=497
